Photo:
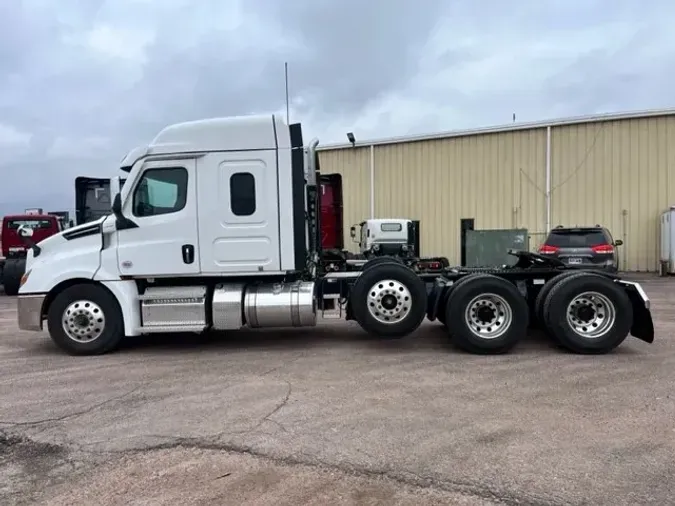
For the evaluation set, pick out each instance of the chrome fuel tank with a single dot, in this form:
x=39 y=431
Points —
x=280 y=305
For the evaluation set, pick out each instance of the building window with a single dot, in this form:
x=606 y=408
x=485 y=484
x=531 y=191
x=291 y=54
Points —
x=242 y=194
x=161 y=191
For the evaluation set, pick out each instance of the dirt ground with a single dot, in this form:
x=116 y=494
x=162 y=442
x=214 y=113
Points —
x=328 y=416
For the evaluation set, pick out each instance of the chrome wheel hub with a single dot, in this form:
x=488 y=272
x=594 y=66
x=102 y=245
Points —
x=591 y=315
x=83 y=321
x=488 y=316
x=389 y=301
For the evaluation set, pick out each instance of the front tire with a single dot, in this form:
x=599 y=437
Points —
x=11 y=276
x=85 y=320
x=389 y=300
x=486 y=314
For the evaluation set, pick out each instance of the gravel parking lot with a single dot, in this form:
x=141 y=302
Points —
x=329 y=416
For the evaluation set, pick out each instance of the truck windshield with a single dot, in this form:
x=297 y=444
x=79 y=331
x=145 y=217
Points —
x=34 y=224
x=391 y=227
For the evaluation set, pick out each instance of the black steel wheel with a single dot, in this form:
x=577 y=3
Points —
x=389 y=300
x=486 y=314
x=588 y=313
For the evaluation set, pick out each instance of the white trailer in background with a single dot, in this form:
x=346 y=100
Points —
x=667 y=242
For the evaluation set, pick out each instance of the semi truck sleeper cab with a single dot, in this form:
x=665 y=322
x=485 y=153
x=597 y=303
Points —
x=218 y=226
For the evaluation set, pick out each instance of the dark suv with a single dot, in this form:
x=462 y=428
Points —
x=585 y=247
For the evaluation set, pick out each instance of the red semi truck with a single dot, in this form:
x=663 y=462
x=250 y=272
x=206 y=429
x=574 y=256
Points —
x=13 y=262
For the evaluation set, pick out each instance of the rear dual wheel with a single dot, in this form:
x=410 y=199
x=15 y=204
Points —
x=546 y=289
x=486 y=314
x=446 y=295
x=587 y=313
x=381 y=260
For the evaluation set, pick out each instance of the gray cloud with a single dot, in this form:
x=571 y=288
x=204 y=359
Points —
x=81 y=82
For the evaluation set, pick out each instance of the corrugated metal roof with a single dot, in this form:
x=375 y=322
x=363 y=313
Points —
x=504 y=128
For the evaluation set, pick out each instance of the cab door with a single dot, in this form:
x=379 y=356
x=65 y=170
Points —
x=239 y=212
x=162 y=203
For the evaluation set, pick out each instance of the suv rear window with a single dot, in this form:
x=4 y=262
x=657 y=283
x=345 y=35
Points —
x=576 y=238
x=34 y=224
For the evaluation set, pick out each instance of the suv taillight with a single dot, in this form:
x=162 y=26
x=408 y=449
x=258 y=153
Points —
x=545 y=249
x=603 y=249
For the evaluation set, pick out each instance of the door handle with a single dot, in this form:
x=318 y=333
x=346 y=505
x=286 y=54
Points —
x=188 y=251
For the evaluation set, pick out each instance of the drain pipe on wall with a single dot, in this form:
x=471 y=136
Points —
x=372 y=181
x=548 y=179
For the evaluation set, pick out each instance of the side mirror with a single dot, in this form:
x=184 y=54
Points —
x=25 y=231
x=123 y=222
x=116 y=207
x=352 y=232
x=618 y=242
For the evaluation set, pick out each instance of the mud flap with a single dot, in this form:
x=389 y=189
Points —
x=643 y=325
x=436 y=295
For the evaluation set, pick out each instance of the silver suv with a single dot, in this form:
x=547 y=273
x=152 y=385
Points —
x=584 y=247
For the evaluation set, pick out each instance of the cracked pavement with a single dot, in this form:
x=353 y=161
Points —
x=331 y=416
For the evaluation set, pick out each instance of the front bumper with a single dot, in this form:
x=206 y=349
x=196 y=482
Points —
x=29 y=311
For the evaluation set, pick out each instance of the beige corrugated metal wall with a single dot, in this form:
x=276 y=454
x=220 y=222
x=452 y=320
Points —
x=614 y=172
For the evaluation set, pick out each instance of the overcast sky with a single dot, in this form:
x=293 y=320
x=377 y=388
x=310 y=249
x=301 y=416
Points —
x=83 y=81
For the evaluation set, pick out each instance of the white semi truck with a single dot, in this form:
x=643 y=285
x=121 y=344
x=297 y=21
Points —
x=217 y=227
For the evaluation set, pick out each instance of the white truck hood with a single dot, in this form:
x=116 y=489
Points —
x=66 y=240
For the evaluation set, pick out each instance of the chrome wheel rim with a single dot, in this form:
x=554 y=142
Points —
x=591 y=315
x=83 y=321
x=389 y=301
x=488 y=315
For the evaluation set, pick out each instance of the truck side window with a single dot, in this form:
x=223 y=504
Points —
x=160 y=191
x=242 y=194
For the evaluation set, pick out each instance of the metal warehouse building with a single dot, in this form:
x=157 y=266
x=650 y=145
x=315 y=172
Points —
x=617 y=170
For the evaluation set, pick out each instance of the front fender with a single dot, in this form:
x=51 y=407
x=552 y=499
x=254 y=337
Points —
x=126 y=293
x=79 y=260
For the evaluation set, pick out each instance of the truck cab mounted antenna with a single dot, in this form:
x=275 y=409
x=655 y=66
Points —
x=288 y=114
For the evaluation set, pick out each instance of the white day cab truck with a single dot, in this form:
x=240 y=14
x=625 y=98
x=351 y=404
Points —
x=217 y=227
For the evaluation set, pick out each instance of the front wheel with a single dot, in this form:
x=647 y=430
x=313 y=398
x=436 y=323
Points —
x=85 y=320
x=11 y=276
x=389 y=300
